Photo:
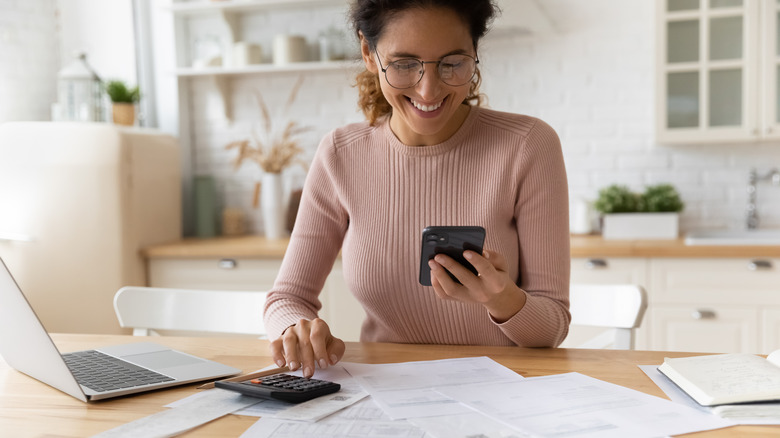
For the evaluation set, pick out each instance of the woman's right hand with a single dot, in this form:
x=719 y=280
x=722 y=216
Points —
x=305 y=343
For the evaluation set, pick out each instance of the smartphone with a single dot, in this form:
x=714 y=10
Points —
x=451 y=241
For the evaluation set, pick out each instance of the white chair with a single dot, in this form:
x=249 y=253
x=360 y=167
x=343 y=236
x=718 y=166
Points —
x=148 y=309
x=618 y=307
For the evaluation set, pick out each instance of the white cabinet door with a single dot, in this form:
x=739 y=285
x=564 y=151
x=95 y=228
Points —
x=214 y=274
x=601 y=270
x=771 y=83
x=712 y=305
x=707 y=70
x=715 y=281
x=711 y=329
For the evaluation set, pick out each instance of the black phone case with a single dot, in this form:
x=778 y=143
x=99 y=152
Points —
x=451 y=241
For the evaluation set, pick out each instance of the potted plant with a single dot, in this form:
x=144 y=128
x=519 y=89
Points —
x=653 y=214
x=123 y=100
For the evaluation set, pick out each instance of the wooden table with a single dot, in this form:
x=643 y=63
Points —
x=31 y=408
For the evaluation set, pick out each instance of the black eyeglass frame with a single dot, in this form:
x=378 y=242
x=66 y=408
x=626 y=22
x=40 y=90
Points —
x=384 y=69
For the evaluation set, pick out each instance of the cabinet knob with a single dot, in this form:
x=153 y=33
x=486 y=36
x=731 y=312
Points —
x=759 y=265
x=596 y=264
x=703 y=314
x=228 y=263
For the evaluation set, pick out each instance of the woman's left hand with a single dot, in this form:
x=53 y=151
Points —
x=492 y=287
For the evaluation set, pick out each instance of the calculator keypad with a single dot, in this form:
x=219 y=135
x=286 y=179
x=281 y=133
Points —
x=283 y=387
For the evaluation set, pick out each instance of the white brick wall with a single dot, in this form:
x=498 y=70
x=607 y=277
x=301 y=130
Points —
x=28 y=59
x=592 y=80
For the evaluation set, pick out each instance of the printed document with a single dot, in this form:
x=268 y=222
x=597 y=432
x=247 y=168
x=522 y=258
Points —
x=578 y=406
x=363 y=419
x=406 y=390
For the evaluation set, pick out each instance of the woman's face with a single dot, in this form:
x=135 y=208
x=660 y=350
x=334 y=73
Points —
x=431 y=111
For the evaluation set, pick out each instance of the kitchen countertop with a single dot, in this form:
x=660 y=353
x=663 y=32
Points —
x=581 y=246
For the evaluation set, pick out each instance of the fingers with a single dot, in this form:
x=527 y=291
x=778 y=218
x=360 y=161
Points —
x=306 y=345
x=490 y=278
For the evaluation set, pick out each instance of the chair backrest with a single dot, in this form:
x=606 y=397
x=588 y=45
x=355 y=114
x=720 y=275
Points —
x=619 y=307
x=148 y=309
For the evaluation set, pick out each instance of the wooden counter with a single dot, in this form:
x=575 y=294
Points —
x=581 y=246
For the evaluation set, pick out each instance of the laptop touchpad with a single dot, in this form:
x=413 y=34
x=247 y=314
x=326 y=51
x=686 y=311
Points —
x=162 y=359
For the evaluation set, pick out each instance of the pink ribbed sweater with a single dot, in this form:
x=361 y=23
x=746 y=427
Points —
x=370 y=196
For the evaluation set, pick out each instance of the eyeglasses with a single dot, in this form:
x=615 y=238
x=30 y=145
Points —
x=454 y=70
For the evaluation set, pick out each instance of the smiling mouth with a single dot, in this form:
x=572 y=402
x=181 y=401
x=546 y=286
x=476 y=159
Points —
x=426 y=108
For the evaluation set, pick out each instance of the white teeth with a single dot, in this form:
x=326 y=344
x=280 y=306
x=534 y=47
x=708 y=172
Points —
x=426 y=108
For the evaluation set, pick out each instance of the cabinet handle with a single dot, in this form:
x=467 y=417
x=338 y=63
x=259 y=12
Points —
x=703 y=314
x=759 y=265
x=228 y=263
x=596 y=264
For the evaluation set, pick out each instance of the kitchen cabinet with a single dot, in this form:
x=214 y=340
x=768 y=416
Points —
x=713 y=304
x=698 y=304
x=717 y=70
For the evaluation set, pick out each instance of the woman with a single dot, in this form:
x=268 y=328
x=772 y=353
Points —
x=427 y=157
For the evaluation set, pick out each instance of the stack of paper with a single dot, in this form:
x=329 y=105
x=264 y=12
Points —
x=471 y=397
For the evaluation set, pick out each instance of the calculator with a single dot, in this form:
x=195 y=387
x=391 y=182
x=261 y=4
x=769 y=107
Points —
x=284 y=387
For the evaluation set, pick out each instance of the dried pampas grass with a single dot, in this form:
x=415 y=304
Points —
x=273 y=151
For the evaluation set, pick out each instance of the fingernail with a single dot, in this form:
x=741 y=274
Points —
x=293 y=366
x=323 y=364
x=468 y=255
x=280 y=363
x=432 y=264
x=307 y=372
x=333 y=359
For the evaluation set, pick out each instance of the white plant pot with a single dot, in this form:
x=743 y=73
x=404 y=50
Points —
x=641 y=226
x=272 y=205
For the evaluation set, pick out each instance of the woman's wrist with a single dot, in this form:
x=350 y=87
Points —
x=507 y=304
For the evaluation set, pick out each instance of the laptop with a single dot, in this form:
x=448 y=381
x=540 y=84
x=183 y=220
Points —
x=128 y=369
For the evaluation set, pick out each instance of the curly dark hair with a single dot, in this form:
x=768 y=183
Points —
x=369 y=18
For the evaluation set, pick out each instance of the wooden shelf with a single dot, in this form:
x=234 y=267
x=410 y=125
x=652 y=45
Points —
x=268 y=68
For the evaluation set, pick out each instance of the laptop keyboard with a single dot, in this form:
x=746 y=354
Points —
x=101 y=372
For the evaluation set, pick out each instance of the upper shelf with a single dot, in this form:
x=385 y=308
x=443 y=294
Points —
x=267 y=68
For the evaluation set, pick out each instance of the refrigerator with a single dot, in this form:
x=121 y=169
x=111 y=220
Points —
x=78 y=202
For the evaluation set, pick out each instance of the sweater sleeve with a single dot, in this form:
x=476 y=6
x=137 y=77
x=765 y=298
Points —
x=314 y=245
x=542 y=219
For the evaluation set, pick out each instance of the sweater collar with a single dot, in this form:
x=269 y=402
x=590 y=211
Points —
x=435 y=149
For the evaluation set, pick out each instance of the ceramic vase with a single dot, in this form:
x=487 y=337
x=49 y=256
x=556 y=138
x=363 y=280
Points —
x=272 y=205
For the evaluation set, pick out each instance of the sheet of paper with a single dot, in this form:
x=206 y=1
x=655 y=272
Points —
x=320 y=407
x=259 y=409
x=677 y=395
x=468 y=425
x=579 y=406
x=363 y=419
x=406 y=390
x=186 y=416
x=311 y=410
